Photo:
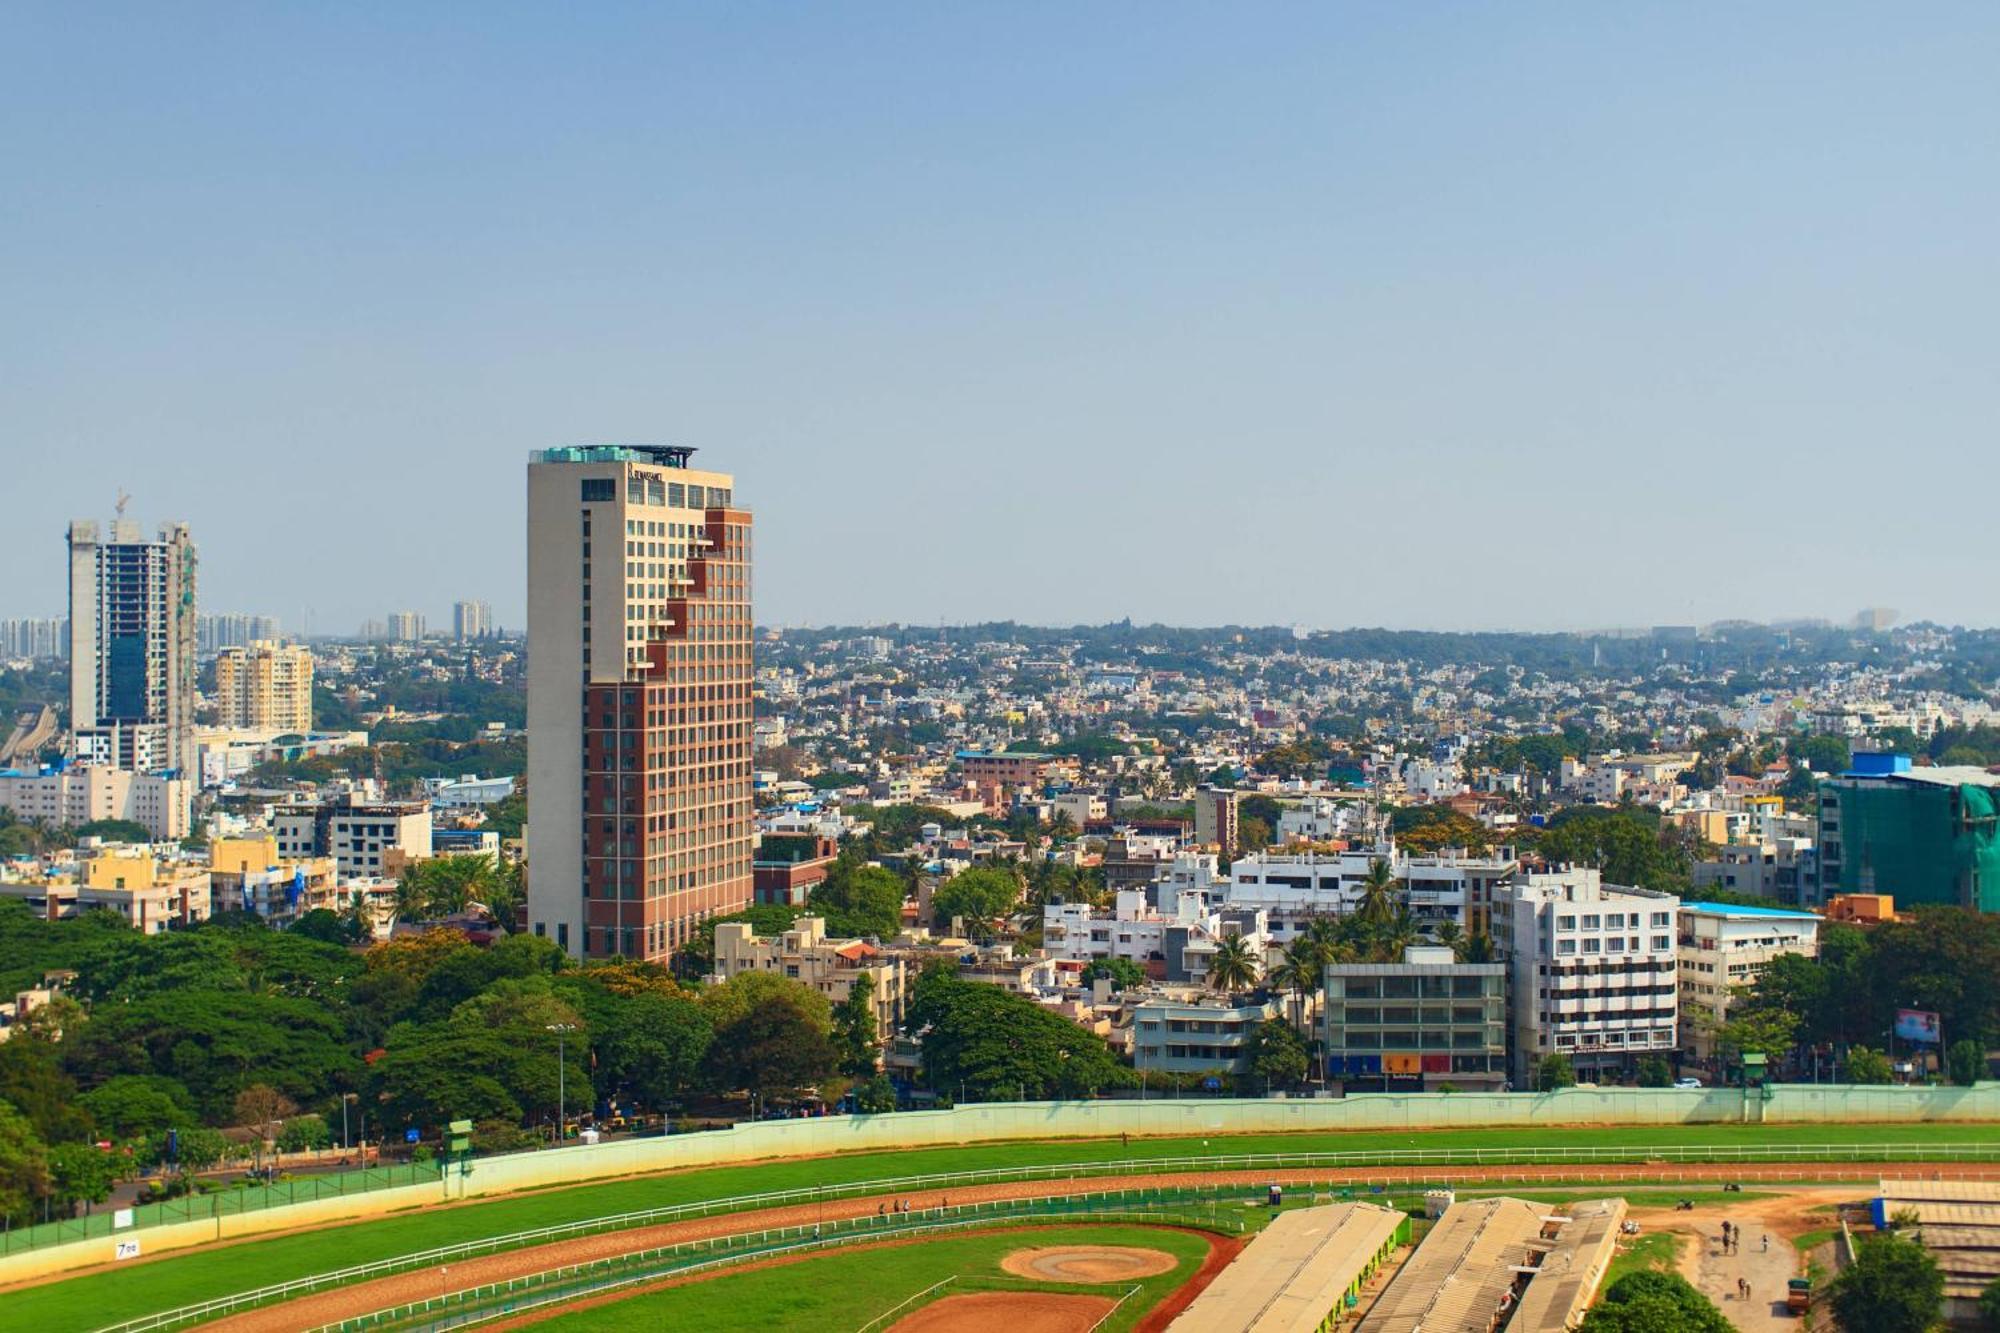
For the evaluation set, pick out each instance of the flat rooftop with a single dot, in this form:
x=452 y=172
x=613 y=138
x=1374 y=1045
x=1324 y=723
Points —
x=1946 y=775
x=1739 y=909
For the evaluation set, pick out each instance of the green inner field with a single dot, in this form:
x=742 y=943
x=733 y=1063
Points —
x=846 y=1290
x=201 y=1274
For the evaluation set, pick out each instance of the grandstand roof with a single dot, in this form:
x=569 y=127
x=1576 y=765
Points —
x=1294 y=1273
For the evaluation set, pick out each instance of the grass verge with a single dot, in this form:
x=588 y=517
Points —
x=846 y=1290
x=1658 y=1252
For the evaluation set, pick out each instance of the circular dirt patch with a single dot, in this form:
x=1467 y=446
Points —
x=1088 y=1263
x=1007 y=1312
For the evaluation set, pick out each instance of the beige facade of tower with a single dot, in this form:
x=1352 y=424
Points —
x=639 y=708
x=264 y=687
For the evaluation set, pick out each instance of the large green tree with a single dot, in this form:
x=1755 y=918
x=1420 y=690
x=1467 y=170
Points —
x=216 y=1043
x=854 y=1035
x=860 y=901
x=1625 y=844
x=980 y=896
x=1000 y=1045
x=1893 y=1286
x=651 y=1047
x=1653 y=1302
x=131 y=1106
x=32 y=1078
x=24 y=1165
x=773 y=1049
x=1277 y=1054
x=82 y=1174
x=493 y=1058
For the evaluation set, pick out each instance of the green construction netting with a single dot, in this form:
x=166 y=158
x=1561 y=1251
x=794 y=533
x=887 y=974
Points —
x=1922 y=843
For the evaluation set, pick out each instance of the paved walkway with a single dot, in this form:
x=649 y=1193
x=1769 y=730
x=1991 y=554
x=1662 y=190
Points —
x=1766 y=1270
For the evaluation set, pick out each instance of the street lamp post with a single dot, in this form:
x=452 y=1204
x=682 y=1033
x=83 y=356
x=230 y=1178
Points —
x=562 y=1031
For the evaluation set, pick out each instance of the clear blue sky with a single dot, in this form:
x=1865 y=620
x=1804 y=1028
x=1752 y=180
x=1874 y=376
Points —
x=1560 y=315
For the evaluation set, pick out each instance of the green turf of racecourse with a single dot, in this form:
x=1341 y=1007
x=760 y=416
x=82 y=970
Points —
x=205 y=1273
x=846 y=1290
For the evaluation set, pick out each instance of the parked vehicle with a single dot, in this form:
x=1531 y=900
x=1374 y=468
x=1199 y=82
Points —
x=1687 y=1082
x=1798 y=1295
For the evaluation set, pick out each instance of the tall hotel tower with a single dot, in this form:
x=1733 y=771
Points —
x=639 y=712
x=132 y=646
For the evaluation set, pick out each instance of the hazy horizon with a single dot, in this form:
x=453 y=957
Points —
x=1539 y=318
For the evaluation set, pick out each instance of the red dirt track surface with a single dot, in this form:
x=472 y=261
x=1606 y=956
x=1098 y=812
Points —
x=364 y=1298
x=1007 y=1312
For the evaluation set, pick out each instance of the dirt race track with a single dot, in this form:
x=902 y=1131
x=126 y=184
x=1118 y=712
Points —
x=1102 y=1263
x=1007 y=1312
x=346 y=1302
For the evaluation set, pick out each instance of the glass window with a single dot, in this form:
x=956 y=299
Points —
x=597 y=489
x=1565 y=923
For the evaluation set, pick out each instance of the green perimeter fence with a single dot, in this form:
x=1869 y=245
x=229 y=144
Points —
x=1804 y=1156
x=220 y=1203
x=494 y=1300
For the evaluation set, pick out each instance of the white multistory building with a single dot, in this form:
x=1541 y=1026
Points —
x=1294 y=887
x=1173 y=945
x=1592 y=971
x=1318 y=819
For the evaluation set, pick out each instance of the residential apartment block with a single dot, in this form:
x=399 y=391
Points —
x=1196 y=1032
x=251 y=875
x=264 y=686
x=364 y=837
x=71 y=795
x=639 y=699
x=150 y=894
x=830 y=966
x=1592 y=971
x=1723 y=945
x=1294 y=887
x=472 y=620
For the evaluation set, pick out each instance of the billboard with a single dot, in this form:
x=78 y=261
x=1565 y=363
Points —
x=1917 y=1025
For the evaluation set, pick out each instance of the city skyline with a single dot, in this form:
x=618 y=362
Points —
x=1325 y=318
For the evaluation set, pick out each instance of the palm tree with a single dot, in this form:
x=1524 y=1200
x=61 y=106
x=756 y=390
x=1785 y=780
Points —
x=1378 y=892
x=413 y=893
x=1234 y=966
x=1448 y=934
x=1303 y=972
x=504 y=894
x=1476 y=948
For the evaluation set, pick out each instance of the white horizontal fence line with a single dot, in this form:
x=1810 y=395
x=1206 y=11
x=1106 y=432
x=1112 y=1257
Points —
x=403 y=1313
x=1637 y=1156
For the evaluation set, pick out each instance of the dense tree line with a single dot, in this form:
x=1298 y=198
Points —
x=245 y=1029
x=1944 y=959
